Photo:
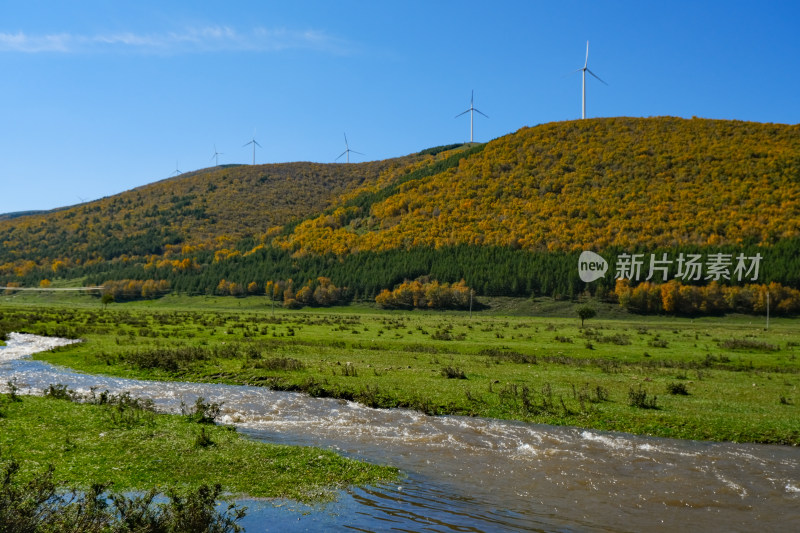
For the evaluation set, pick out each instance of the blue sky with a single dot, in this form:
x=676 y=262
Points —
x=99 y=97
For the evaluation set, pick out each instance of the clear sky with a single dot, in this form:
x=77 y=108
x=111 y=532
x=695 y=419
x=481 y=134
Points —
x=98 y=97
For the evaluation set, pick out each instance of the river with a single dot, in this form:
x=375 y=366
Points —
x=472 y=474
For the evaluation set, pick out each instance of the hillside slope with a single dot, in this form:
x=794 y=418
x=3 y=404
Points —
x=621 y=182
x=207 y=209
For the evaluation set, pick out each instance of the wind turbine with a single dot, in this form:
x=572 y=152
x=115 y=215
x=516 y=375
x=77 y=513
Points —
x=584 y=70
x=471 y=111
x=347 y=150
x=177 y=172
x=216 y=155
x=254 y=142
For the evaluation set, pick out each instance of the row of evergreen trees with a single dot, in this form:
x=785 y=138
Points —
x=489 y=271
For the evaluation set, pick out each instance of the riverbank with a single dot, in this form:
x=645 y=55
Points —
x=722 y=378
x=120 y=440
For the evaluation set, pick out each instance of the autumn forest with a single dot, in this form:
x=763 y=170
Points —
x=509 y=217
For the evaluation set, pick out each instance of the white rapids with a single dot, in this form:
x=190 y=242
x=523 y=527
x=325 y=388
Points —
x=21 y=345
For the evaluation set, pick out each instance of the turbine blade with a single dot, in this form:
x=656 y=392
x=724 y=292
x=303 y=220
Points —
x=340 y=155
x=255 y=141
x=482 y=113
x=596 y=76
x=464 y=113
x=354 y=152
x=586 y=63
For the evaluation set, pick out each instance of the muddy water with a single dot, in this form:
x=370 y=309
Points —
x=465 y=474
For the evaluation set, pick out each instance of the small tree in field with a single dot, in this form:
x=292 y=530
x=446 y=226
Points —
x=106 y=299
x=586 y=312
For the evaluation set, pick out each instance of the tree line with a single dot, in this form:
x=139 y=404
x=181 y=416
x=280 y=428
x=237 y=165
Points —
x=488 y=271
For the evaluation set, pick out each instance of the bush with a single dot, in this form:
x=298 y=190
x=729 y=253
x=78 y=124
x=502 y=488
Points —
x=13 y=390
x=678 y=388
x=125 y=410
x=280 y=363
x=748 y=344
x=41 y=505
x=203 y=412
x=639 y=398
x=59 y=392
x=169 y=359
x=453 y=373
x=203 y=439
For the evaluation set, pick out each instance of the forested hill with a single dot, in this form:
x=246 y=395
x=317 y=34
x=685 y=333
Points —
x=207 y=209
x=623 y=182
x=509 y=216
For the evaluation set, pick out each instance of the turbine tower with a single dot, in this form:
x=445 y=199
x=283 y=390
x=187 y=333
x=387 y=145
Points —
x=471 y=112
x=584 y=70
x=254 y=142
x=216 y=155
x=347 y=150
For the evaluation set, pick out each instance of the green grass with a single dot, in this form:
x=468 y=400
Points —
x=742 y=382
x=88 y=444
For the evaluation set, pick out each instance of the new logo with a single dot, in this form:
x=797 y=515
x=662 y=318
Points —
x=591 y=266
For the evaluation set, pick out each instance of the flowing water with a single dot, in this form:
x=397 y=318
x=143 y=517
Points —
x=469 y=474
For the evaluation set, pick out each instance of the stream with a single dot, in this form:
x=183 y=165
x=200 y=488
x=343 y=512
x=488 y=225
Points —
x=472 y=474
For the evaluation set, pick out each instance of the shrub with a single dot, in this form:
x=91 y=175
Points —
x=453 y=373
x=13 y=390
x=203 y=439
x=513 y=356
x=169 y=359
x=203 y=412
x=639 y=398
x=41 y=505
x=677 y=388
x=125 y=410
x=59 y=392
x=280 y=363
x=748 y=344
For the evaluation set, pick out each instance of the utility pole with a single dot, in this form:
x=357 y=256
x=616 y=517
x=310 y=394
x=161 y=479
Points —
x=767 y=310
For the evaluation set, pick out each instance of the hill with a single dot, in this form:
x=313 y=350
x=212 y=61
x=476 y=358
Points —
x=203 y=210
x=591 y=184
x=509 y=217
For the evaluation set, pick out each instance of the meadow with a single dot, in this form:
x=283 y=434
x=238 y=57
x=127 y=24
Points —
x=715 y=378
x=121 y=442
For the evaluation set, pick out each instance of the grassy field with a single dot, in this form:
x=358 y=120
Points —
x=121 y=441
x=720 y=378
